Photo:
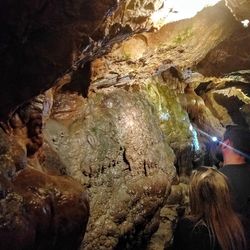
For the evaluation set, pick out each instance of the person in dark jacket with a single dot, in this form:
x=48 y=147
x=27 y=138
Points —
x=212 y=223
x=235 y=149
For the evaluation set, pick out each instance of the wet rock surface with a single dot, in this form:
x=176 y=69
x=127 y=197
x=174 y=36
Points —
x=118 y=151
x=40 y=208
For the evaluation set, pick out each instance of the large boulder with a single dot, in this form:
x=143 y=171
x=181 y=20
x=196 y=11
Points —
x=116 y=148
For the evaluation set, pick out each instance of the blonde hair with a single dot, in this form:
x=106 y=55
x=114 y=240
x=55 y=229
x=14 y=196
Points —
x=210 y=203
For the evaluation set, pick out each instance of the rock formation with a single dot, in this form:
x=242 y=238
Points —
x=41 y=207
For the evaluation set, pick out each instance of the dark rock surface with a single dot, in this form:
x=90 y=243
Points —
x=40 y=208
x=40 y=41
x=43 y=40
x=230 y=55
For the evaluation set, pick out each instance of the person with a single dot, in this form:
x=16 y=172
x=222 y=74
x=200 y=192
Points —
x=235 y=150
x=212 y=223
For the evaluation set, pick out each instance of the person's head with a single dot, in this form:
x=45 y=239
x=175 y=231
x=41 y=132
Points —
x=210 y=201
x=208 y=190
x=235 y=145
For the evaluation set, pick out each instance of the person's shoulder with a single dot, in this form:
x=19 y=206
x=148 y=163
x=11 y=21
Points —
x=190 y=224
x=185 y=221
x=195 y=229
x=232 y=169
x=224 y=169
x=184 y=225
x=192 y=234
x=228 y=169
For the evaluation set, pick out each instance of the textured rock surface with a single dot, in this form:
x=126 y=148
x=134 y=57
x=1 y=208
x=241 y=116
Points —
x=38 y=210
x=239 y=8
x=183 y=44
x=117 y=150
x=230 y=55
x=42 y=40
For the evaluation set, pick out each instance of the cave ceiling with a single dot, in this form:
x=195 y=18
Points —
x=41 y=42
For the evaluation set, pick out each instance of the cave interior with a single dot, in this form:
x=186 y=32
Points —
x=106 y=107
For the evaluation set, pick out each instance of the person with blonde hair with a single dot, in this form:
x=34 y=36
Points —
x=212 y=223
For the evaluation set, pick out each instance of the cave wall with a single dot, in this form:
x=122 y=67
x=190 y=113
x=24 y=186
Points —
x=42 y=41
x=103 y=122
x=116 y=149
x=40 y=209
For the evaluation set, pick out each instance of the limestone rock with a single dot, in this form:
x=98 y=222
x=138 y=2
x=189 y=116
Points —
x=41 y=40
x=126 y=115
x=239 y=8
x=38 y=210
x=117 y=150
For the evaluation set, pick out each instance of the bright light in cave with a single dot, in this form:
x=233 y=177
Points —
x=214 y=138
x=191 y=127
x=164 y=116
x=194 y=138
x=245 y=23
x=174 y=10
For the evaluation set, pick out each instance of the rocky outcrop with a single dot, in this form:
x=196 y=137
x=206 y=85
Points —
x=38 y=210
x=115 y=148
x=226 y=97
x=239 y=8
x=230 y=55
x=42 y=41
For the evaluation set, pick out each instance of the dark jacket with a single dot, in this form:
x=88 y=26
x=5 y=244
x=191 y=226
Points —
x=189 y=236
x=239 y=179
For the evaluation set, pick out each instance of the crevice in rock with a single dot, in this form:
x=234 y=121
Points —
x=80 y=81
x=233 y=105
x=125 y=158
